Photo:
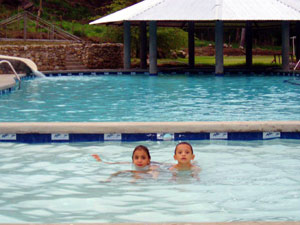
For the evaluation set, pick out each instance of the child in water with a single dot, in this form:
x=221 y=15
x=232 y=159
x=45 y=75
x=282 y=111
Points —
x=184 y=155
x=142 y=161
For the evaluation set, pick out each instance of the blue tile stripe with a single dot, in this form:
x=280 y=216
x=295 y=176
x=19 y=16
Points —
x=128 y=137
x=96 y=73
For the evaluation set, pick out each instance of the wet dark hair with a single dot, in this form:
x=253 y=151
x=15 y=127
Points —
x=184 y=143
x=141 y=147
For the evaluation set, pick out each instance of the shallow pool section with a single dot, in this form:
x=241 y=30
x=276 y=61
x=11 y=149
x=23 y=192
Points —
x=152 y=98
x=62 y=183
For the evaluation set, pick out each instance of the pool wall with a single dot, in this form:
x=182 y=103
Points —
x=44 y=132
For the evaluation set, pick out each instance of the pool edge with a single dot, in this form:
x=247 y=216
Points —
x=201 y=223
x=149 y=127
x=45 y=132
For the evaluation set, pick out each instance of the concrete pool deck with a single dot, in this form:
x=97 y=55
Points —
x=7 y=81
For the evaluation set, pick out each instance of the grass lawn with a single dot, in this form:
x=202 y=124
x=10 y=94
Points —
x=228 y=60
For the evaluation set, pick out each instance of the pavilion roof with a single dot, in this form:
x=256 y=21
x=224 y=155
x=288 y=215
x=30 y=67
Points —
x=172 y=11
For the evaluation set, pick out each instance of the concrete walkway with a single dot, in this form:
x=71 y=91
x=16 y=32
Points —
x=7 y=81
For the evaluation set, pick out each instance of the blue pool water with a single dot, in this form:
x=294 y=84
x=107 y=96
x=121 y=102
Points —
x=62 y=183
x=147 y=98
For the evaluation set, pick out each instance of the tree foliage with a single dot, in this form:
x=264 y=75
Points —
x=120 y=4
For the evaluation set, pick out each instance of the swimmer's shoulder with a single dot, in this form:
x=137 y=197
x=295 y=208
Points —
x=195 y=168
x=173 y=167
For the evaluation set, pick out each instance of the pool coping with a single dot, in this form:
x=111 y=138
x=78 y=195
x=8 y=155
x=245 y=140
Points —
x=149 y=127
x=46 y=132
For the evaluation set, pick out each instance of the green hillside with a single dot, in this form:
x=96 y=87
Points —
x=71 y=15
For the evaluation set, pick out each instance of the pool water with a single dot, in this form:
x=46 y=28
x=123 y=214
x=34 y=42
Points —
x=62 y=183
x=148 y=98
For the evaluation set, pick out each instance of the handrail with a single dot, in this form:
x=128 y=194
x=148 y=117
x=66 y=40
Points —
x=43 y=23
x=12 y=68
x=297 y=65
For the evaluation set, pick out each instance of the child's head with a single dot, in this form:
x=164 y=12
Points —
x=141 y=156
x=184 y=153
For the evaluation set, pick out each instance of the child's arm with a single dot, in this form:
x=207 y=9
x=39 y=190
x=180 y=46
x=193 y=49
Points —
x=173 y=167
x=97 y=157
x=117 y=174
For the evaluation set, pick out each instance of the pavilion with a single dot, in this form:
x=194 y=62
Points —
x=199 y=13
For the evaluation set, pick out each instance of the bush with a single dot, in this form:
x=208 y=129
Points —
x=171 y=39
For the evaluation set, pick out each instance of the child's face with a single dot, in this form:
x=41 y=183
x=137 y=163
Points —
x=184 y=154
x=140 y=158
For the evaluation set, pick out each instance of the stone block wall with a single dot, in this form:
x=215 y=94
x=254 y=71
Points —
x=53 y=57
x=46 y=57
x=98 y=56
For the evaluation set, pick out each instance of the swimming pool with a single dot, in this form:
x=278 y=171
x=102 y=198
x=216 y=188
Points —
x=109 y=98
x=62 y=183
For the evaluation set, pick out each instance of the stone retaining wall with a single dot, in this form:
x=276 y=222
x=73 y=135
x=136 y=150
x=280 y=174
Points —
x=98 y=56
x=53 y=57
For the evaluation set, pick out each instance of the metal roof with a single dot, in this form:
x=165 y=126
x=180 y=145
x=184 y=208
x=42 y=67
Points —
x=206 y=10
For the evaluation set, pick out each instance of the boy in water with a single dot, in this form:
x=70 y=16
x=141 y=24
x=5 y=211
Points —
x=184 y=155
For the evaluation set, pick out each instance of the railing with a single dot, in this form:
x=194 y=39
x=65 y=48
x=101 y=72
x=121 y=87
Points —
x=297 y=65
x=51 y=28
x=14 y=71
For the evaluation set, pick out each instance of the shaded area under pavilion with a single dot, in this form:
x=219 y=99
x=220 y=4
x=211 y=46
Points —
x=191 y=14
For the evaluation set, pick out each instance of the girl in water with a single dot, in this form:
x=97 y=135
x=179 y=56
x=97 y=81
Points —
x=141 y=159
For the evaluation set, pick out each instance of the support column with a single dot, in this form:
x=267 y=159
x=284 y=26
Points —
x=191 y=46
x=127 y=45
x=249 y=44
x=153 y=47
x=219 y=69
x=297 y=41
x=285 y=45
x=143 y=45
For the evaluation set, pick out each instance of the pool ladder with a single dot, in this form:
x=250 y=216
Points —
x=14 y=71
